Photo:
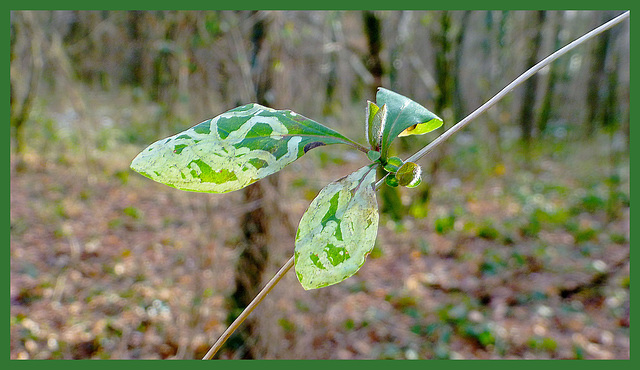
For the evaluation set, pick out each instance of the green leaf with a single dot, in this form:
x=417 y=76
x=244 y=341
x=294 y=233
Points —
x=376 y=118
x=409 y=175
x=234 y=149
x=393 y=164
x=338 y=230
x=391 y=180
x=404 y=117
x=373 y=155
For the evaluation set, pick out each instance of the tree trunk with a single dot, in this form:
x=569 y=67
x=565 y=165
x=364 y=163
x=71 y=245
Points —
x=330 y=101
x=495 y=23
x=134 y=74
x=527 y=107
x=253 y=261
x=458 y=103
x=250 y=267
x=397 y=56
x=552 y=77
x=443 y=68
x=390 y=202
x=444 y=75
x=20 y=114
x=597 y=77
x=373 y=31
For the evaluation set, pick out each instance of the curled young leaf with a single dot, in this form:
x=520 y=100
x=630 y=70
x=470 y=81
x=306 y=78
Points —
x=337 y=231
x=404 y=117
x=376 y=118
x=409 y=175
x=233 y=150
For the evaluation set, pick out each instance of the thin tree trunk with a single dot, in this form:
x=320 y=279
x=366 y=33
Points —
x=458 y=103
x=134 y=65
x=19 y=115
x=597 y=78
x=552 y=77
x=527 y=107
x=253 y=261
x=495 y=23
x=444 y=68
x=373 y=31
x=330 y=101
x=397 y=56
x=444 y=95
x=390 y=204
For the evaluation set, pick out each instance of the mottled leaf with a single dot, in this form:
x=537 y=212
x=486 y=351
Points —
x=233 y=150
x=337 y=231
x=404 y=117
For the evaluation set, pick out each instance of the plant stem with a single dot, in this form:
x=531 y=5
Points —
x=523 y=77
x=254 y=303
x=421 y=153
x=360 y=147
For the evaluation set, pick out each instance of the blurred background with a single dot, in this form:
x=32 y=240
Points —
x=516 y=245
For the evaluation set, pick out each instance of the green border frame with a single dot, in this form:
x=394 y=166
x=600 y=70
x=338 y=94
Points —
x=373 y=4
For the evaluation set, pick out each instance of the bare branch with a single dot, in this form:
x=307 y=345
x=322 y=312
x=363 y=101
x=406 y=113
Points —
x=457 y=127
x=245 y=313
x=523 y=77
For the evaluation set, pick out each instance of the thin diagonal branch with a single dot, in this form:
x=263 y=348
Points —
x=421 y=153
x=507 y=89
x=245 y=313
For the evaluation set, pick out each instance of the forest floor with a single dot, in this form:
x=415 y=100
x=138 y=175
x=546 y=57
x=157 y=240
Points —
x=515 y=264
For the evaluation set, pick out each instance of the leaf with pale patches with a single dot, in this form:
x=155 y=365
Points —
x=234 y=149
x=337 y=231
x=404 y=117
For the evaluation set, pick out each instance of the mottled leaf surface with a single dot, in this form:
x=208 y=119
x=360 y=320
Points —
x=233 y=150
x=404 y=117
x=337 y=231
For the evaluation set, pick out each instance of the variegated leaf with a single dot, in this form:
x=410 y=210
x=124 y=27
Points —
x=337 y=231
x=234 y=149
x=404 y=117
